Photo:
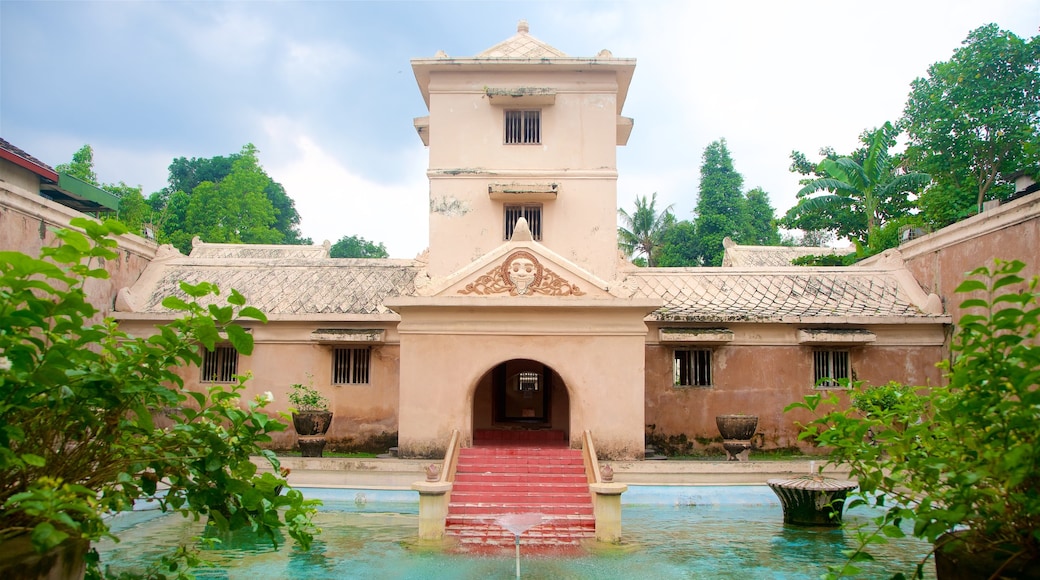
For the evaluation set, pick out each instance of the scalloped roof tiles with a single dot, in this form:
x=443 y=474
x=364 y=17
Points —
x=717 y=295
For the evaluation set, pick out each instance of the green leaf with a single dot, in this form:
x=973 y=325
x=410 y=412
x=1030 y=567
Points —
x=240 y=339
x=34 y=460
x=174 y=303
x=254 y=313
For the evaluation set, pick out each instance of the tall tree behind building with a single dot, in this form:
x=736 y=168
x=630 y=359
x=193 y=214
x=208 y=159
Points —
x=974 y=120
x=225 y=199
x=133 y=211
x=720 y=205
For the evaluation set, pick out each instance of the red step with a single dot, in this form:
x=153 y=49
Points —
x=491 y=482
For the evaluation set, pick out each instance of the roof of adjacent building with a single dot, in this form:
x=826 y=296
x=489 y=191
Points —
x=740 y=256
x=791 y=294
x=19 y=157
x=300 y=281
x=279 y=285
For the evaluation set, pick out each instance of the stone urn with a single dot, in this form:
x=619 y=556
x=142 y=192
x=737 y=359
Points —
x=311 y=426
x=311 y=422
x=812 y=500
x=737 y=431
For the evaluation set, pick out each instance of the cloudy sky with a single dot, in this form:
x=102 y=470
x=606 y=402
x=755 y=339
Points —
x=326 y=92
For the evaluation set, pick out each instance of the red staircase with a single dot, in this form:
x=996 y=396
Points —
x=520 y=472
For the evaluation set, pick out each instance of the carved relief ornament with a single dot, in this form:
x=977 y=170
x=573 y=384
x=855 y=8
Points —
x=521 y=274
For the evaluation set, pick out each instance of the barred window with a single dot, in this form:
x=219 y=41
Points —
x=532 y=213
x=350 y=366
x=693 y=368
x=830 y=368
x=523 y=127
x=219 y=365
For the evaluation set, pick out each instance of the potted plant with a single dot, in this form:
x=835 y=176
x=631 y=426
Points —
x=310 y=414
x=79 y=437
x=961 y=463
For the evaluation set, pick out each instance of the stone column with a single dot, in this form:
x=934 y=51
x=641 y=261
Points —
x=606 y=502
x=433 y=508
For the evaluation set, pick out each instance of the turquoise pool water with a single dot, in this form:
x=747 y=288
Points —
x=669 y=532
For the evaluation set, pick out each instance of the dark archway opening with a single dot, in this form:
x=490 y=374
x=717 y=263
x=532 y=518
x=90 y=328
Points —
x=521 y=400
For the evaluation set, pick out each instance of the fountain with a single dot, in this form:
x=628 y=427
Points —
x=518 y=524
x=812 y=500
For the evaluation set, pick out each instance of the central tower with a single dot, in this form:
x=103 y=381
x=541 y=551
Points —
x=523 y=130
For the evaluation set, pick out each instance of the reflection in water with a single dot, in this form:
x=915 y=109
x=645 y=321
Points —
x=376 y=540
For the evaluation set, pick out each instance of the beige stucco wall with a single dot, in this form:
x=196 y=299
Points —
x=941 y=260
x=27 y=221
x=764 y=369
x=577 y=152
x=447 y=352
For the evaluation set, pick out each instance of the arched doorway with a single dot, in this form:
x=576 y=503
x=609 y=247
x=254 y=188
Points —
x=521 y=395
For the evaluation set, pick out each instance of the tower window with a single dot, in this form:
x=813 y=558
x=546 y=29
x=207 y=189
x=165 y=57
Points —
x=531 y=213
x=523 y=127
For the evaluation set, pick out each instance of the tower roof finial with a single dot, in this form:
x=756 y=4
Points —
x=522 y=27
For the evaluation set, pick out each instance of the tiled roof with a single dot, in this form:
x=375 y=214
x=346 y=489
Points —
x=522 y=45
x=779 y=295
x=771 y=256
x=257 y=251
x=19 y=155
x=287 y=287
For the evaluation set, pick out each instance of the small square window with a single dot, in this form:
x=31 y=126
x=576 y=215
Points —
x=830 y=368
x=532 y=213
x=219 y=365
x=523 y=127
x=350 y=366
x=693 y=368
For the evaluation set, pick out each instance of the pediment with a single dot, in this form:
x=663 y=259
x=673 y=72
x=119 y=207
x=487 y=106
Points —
x=521 y=269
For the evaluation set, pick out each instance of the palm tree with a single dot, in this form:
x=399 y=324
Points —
x=642 y=232
x=867 y=188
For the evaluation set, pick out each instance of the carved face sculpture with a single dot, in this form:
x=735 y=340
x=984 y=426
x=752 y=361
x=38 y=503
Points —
x=522 y=272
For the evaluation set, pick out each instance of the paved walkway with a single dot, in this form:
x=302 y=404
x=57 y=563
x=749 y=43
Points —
x=381 y=473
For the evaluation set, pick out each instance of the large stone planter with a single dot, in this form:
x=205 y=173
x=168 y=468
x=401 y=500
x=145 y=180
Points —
x=312 y=422
x=812 y=500
x=311 y=426
x=19 y=561
x=737 y=431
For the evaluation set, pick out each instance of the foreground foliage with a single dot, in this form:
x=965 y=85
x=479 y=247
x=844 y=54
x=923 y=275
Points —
x=92 y=419
x=963 y=456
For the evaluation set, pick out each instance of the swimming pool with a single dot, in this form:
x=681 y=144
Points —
x=668 y=531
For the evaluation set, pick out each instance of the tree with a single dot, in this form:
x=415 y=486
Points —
x=760 y=227
x=679 y=246
x=975 y=119
x=133 y=211
x=82 y=165
x=864 y=191
x=641 y=232
x=720 y=205
x=232 y=210
x=357 y=247
x=171 y=203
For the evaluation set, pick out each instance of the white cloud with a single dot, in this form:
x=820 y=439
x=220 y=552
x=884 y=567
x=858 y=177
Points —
x=334 y=200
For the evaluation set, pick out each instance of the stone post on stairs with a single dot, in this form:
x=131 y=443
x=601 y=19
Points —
x=606 y=504
x=433 y=508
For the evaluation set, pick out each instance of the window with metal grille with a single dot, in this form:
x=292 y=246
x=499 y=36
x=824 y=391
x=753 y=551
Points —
x=531 y=213
x=693 y=368
x=219 y=365
x=523 y=127
x=350 y=366
x=830 y=368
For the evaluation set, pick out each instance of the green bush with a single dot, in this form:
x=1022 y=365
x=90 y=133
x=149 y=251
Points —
x=972 y=460
x=78 y=433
